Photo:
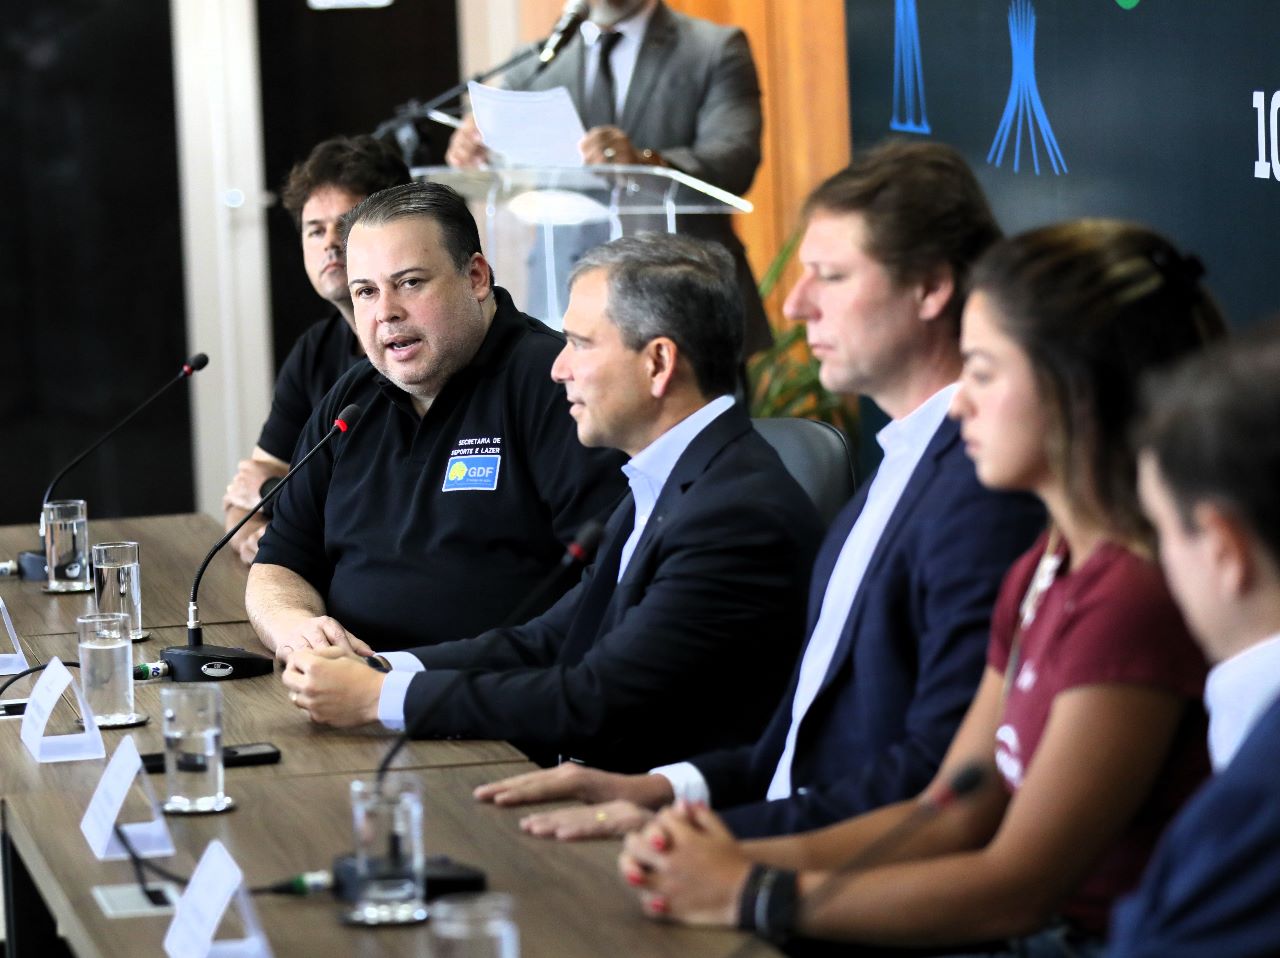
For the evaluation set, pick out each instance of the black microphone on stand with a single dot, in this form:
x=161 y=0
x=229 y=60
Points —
x=771 y=903
x=31 y=564
x=195 y=662
x=577 y=553
x=566 y=28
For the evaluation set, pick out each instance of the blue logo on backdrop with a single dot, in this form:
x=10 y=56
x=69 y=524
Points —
x=472 y=473
x=1024 y=107
x=908 y=75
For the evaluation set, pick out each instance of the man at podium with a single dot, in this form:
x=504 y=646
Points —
x=656 y=87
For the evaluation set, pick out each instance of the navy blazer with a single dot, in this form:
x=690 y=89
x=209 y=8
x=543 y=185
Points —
x=1213 y=885
x=908 y=661
x=691 y=649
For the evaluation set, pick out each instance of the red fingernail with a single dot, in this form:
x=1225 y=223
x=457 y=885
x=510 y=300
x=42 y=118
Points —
x=659 y=842
x=635 y=878
x=659 y=906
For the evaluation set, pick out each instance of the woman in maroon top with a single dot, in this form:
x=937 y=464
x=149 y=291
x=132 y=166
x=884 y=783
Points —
x=1086 y=730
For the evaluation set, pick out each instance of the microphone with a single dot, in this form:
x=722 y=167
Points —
x=194 y=662
x=32 y=563
x=579 y=551
x=191 y=366
x=965 y=782
x=770 y=905
x=566 y=28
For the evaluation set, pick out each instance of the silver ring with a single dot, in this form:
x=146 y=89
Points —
x=609 y=152
x=293 y=697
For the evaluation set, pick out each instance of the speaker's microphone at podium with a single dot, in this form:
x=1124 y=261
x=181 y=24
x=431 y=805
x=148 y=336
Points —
x=196 y=662
x=566 y=28
x=32 y=563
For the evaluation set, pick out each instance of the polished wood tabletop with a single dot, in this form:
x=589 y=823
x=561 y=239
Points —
x=170 y=549
x=253 y=710
x=569 y=899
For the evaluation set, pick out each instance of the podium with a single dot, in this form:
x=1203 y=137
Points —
x=536 y=221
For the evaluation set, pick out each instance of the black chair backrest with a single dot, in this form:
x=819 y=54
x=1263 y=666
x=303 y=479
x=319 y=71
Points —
x=817 y=455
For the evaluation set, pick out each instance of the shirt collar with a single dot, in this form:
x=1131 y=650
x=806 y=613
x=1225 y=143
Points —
x=655 y=461
x=631 y=28
x=1237 y=693
x=911 y=434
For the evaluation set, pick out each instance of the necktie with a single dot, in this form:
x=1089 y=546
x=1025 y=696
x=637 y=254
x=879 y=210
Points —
x=600 y=109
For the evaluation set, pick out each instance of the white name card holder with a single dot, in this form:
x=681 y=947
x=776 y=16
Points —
x=216 y=881
x=11 y=663
x=71 y=747
x=150 y=839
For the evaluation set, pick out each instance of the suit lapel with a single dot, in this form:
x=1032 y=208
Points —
x=654 y=51
x=726 y=427
x=588 y=622
x=947 y=435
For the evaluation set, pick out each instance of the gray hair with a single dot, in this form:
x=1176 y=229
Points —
x=685 y=289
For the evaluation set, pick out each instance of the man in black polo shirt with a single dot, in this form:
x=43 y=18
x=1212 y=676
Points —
x=452 y=498
x=319 y=191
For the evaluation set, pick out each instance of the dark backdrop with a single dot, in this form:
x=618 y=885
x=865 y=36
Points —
x=339 y=72
x=1151 y=107
x=91 y=233
x=91 y=267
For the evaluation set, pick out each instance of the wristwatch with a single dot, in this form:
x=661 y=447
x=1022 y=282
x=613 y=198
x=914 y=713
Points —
x=377 y=663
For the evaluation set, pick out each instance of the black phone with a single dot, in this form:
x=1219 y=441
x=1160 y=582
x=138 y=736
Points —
x=258 y=753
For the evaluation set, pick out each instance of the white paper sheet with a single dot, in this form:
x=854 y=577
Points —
x=534 y=128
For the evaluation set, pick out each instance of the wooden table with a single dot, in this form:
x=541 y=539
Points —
x=253 y=710
x=569 y=899
x=170 y=549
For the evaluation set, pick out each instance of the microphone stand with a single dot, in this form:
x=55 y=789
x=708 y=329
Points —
x=31 y=565
x=195 y=662
x=414 y=110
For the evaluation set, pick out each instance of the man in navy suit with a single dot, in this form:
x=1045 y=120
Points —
x=903 y=587
x=683 y=631
x=1211 y=454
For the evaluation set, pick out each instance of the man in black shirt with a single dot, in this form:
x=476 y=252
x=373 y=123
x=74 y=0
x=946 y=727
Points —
x=455 y=494
x=337 y=175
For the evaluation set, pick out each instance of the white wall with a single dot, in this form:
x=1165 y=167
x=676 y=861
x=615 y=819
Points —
x=224 y=245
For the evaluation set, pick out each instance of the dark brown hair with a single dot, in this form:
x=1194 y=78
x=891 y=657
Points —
x=922 y=207
x=1095 y=305
x=357 y=164
x=1213 y=426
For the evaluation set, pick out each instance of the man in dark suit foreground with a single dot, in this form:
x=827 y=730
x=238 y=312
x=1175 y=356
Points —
x=1208 y=482
x=682 y=633
x=903 y=587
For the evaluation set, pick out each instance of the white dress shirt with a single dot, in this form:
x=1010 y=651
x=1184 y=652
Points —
x=1237 y=693
x=622 y=59
x=904 y=442
x=647 y=472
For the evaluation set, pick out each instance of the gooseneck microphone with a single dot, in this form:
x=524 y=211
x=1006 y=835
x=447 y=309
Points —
x=194 y=662
x=191 y=366
x=32 y=563
x=770 y=903
x=578 y=552
x=566 y=28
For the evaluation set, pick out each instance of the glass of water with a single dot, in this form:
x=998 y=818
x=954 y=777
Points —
x=117 y=583
x=390 y=861
x=106 y=668
x=474 y=926
x=193 y=750
x=64 y=523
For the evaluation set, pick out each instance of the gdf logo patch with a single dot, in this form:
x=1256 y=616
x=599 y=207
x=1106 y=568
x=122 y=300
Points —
x=472 y=473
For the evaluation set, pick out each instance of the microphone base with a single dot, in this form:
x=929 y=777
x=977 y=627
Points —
x=214 y=663
x=31 y=566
